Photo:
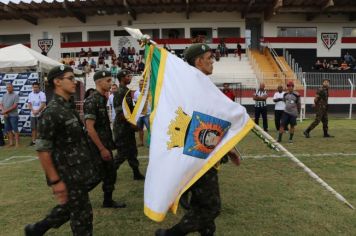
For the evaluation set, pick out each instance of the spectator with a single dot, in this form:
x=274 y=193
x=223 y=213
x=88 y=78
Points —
x=344 y=66
x=291 y=111
x=106 y=54
x=84 y=63
x=348 y=58
x=90 y=53
x=9 y=104
x=114 y=70
x=36 y=103
x=325 y=65
x=279 y=106
x=260 y=97
x=141 y=67
x=318 y=65
x=111 y=51
x=82 y=53
x=92 y=63
x=123 y=52
x=217 y=54
x=143 y=120
x=238 y=51
x=110 y=104
x=228 y=92
x=100 y=52
x=2 y=141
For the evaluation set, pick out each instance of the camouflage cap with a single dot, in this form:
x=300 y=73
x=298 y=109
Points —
x=58 y=71
x=195 y=50
x=123 y=73
x=101 y=74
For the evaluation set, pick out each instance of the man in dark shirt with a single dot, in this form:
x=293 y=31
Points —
x=97 y=123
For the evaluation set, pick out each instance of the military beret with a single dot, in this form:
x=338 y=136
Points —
x=123 y=73
x=58 y=71
x=195 y=50
x=101 y=74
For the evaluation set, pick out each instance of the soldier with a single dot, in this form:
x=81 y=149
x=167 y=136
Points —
x=205 y=203
x=321 y=107
x=124 y=132
x=63 y=151
x=98 y=125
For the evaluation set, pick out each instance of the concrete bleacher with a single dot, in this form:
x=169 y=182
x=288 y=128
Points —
x=232 y=70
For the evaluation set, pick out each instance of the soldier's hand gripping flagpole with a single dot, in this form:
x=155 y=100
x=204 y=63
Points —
x=272 y=143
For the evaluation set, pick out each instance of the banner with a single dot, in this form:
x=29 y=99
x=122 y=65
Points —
x=22 y=83
x=193 y=125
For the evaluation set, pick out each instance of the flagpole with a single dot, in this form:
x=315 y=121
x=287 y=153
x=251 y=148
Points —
x=301 y=164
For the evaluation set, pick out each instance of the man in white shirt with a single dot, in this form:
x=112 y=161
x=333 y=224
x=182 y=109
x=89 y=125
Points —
x=111 y=102
x=36 y=103
x=144 y=119
x=279 y=106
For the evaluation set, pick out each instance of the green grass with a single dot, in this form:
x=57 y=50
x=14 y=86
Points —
x=268 y=196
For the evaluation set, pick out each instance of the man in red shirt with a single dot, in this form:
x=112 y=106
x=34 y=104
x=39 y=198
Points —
x=228 y=92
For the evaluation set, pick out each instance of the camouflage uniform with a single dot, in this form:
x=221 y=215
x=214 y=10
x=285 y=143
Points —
x=123 y=131
x=61 y=132
x=95 y=109
x=205 y=206
x=321 y=107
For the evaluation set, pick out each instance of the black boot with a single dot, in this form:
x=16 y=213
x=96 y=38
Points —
x=174 y=231
x=326 y=134
x=109 y=203
x=37 y=229
x=137 y=174
x=306 y=133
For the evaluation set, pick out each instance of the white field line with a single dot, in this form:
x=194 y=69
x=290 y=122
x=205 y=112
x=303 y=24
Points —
x=32 y=158
x=26 y=159
x=279 y=156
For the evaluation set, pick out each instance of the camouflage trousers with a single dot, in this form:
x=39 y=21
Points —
x=321 y=115
x=109 y=175
x=205 y=205
x=77 y=210
x=128 y=153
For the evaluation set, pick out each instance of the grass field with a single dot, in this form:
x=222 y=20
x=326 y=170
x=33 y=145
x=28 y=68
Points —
x=266 y=195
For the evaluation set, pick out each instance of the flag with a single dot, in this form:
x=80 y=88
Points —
x=193 y=125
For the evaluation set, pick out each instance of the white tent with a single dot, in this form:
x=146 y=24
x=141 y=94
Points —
x=21 y=56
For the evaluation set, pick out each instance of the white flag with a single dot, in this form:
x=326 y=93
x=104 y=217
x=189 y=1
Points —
x=193 y=125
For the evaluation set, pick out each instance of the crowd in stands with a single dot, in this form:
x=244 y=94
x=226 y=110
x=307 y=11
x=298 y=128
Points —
x=346 y=63
x=107 y=59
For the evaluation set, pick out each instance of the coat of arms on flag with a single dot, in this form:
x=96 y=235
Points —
x=199 y=134
x=329 y=39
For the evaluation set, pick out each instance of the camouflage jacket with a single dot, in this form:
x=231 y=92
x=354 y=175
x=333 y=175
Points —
x=123 y=130
x=321 y=98
x=95 y=109
x=61 y=133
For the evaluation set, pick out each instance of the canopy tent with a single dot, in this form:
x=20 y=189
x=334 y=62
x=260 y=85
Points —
x=21 y=56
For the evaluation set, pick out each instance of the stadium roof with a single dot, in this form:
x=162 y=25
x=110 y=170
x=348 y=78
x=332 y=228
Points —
x=31 y=11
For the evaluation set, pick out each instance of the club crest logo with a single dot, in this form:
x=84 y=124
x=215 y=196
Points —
x=329 y=39
x=45 y=44
x=198 y=134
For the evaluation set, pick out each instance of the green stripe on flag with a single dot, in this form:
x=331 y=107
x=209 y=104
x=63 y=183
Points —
x=156 y=59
